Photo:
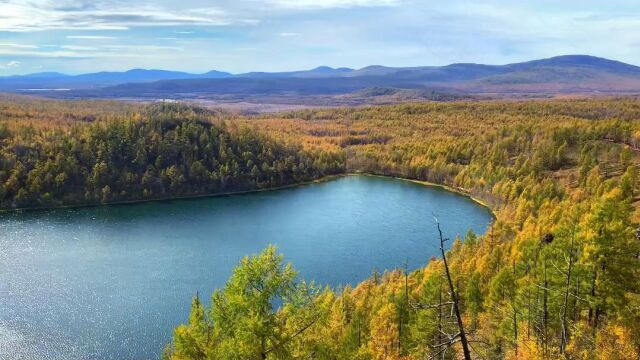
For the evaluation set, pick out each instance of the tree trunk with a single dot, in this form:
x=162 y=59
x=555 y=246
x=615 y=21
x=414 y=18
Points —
x=545 y=314
x=593 y=295
x=515 y=317
x=454 y=299
x=528 y=313
x=440 y=330
x=565 y=331
x=515 y=329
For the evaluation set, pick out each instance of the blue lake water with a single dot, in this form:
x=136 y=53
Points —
x=112 y=282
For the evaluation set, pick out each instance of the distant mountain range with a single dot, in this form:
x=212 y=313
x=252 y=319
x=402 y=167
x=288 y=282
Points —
x=571 y=74
x=53 y=80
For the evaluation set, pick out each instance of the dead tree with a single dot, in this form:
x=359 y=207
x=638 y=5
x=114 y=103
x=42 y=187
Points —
x=454 y=299
x=405 y=304
x=545 y=312
x=515 y=316
x=444 y=341
x=565 y=332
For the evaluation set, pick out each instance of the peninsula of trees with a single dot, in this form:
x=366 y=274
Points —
x=157 y=152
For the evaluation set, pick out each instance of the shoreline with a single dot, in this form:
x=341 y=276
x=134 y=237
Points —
x=244 y=192
x=186 y=197
x=432 y=184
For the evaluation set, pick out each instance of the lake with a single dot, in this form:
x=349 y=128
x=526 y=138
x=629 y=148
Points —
x=112 y=282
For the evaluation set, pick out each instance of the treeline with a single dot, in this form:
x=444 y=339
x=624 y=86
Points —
x=557 y=276
x=155 y=152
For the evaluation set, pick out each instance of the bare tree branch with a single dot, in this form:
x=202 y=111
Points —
x=454 y=298
x=420 y=306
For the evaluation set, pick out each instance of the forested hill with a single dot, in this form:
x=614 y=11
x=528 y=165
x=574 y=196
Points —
x=139 y=153
x=557 y=276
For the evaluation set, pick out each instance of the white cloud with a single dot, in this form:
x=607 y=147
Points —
x=328 y=4
x=37 y=15
x=86 y=52
x=91 y=37
x=65 y=53
x=288 y=34
x=19 y=46
x=78 y=48
x=141 y=47
x=10 y=64
x=40 y=15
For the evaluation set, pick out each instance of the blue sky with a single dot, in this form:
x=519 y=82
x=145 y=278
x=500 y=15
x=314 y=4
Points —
x=275 y=35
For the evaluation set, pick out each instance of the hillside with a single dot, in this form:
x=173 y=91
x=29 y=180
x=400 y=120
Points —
x=555 y=277
x=100 y=155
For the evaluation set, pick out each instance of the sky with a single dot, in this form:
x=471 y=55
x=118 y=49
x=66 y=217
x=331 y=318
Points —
x=278 y=35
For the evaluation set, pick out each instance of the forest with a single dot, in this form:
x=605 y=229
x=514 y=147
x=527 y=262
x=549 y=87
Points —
x=155 y=152
x=557 y=275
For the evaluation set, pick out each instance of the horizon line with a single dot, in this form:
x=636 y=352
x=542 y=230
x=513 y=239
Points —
x=310 y=69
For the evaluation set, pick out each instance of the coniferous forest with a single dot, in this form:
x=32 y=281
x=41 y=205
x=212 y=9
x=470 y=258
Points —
x=162 y=151
x=556 y=276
